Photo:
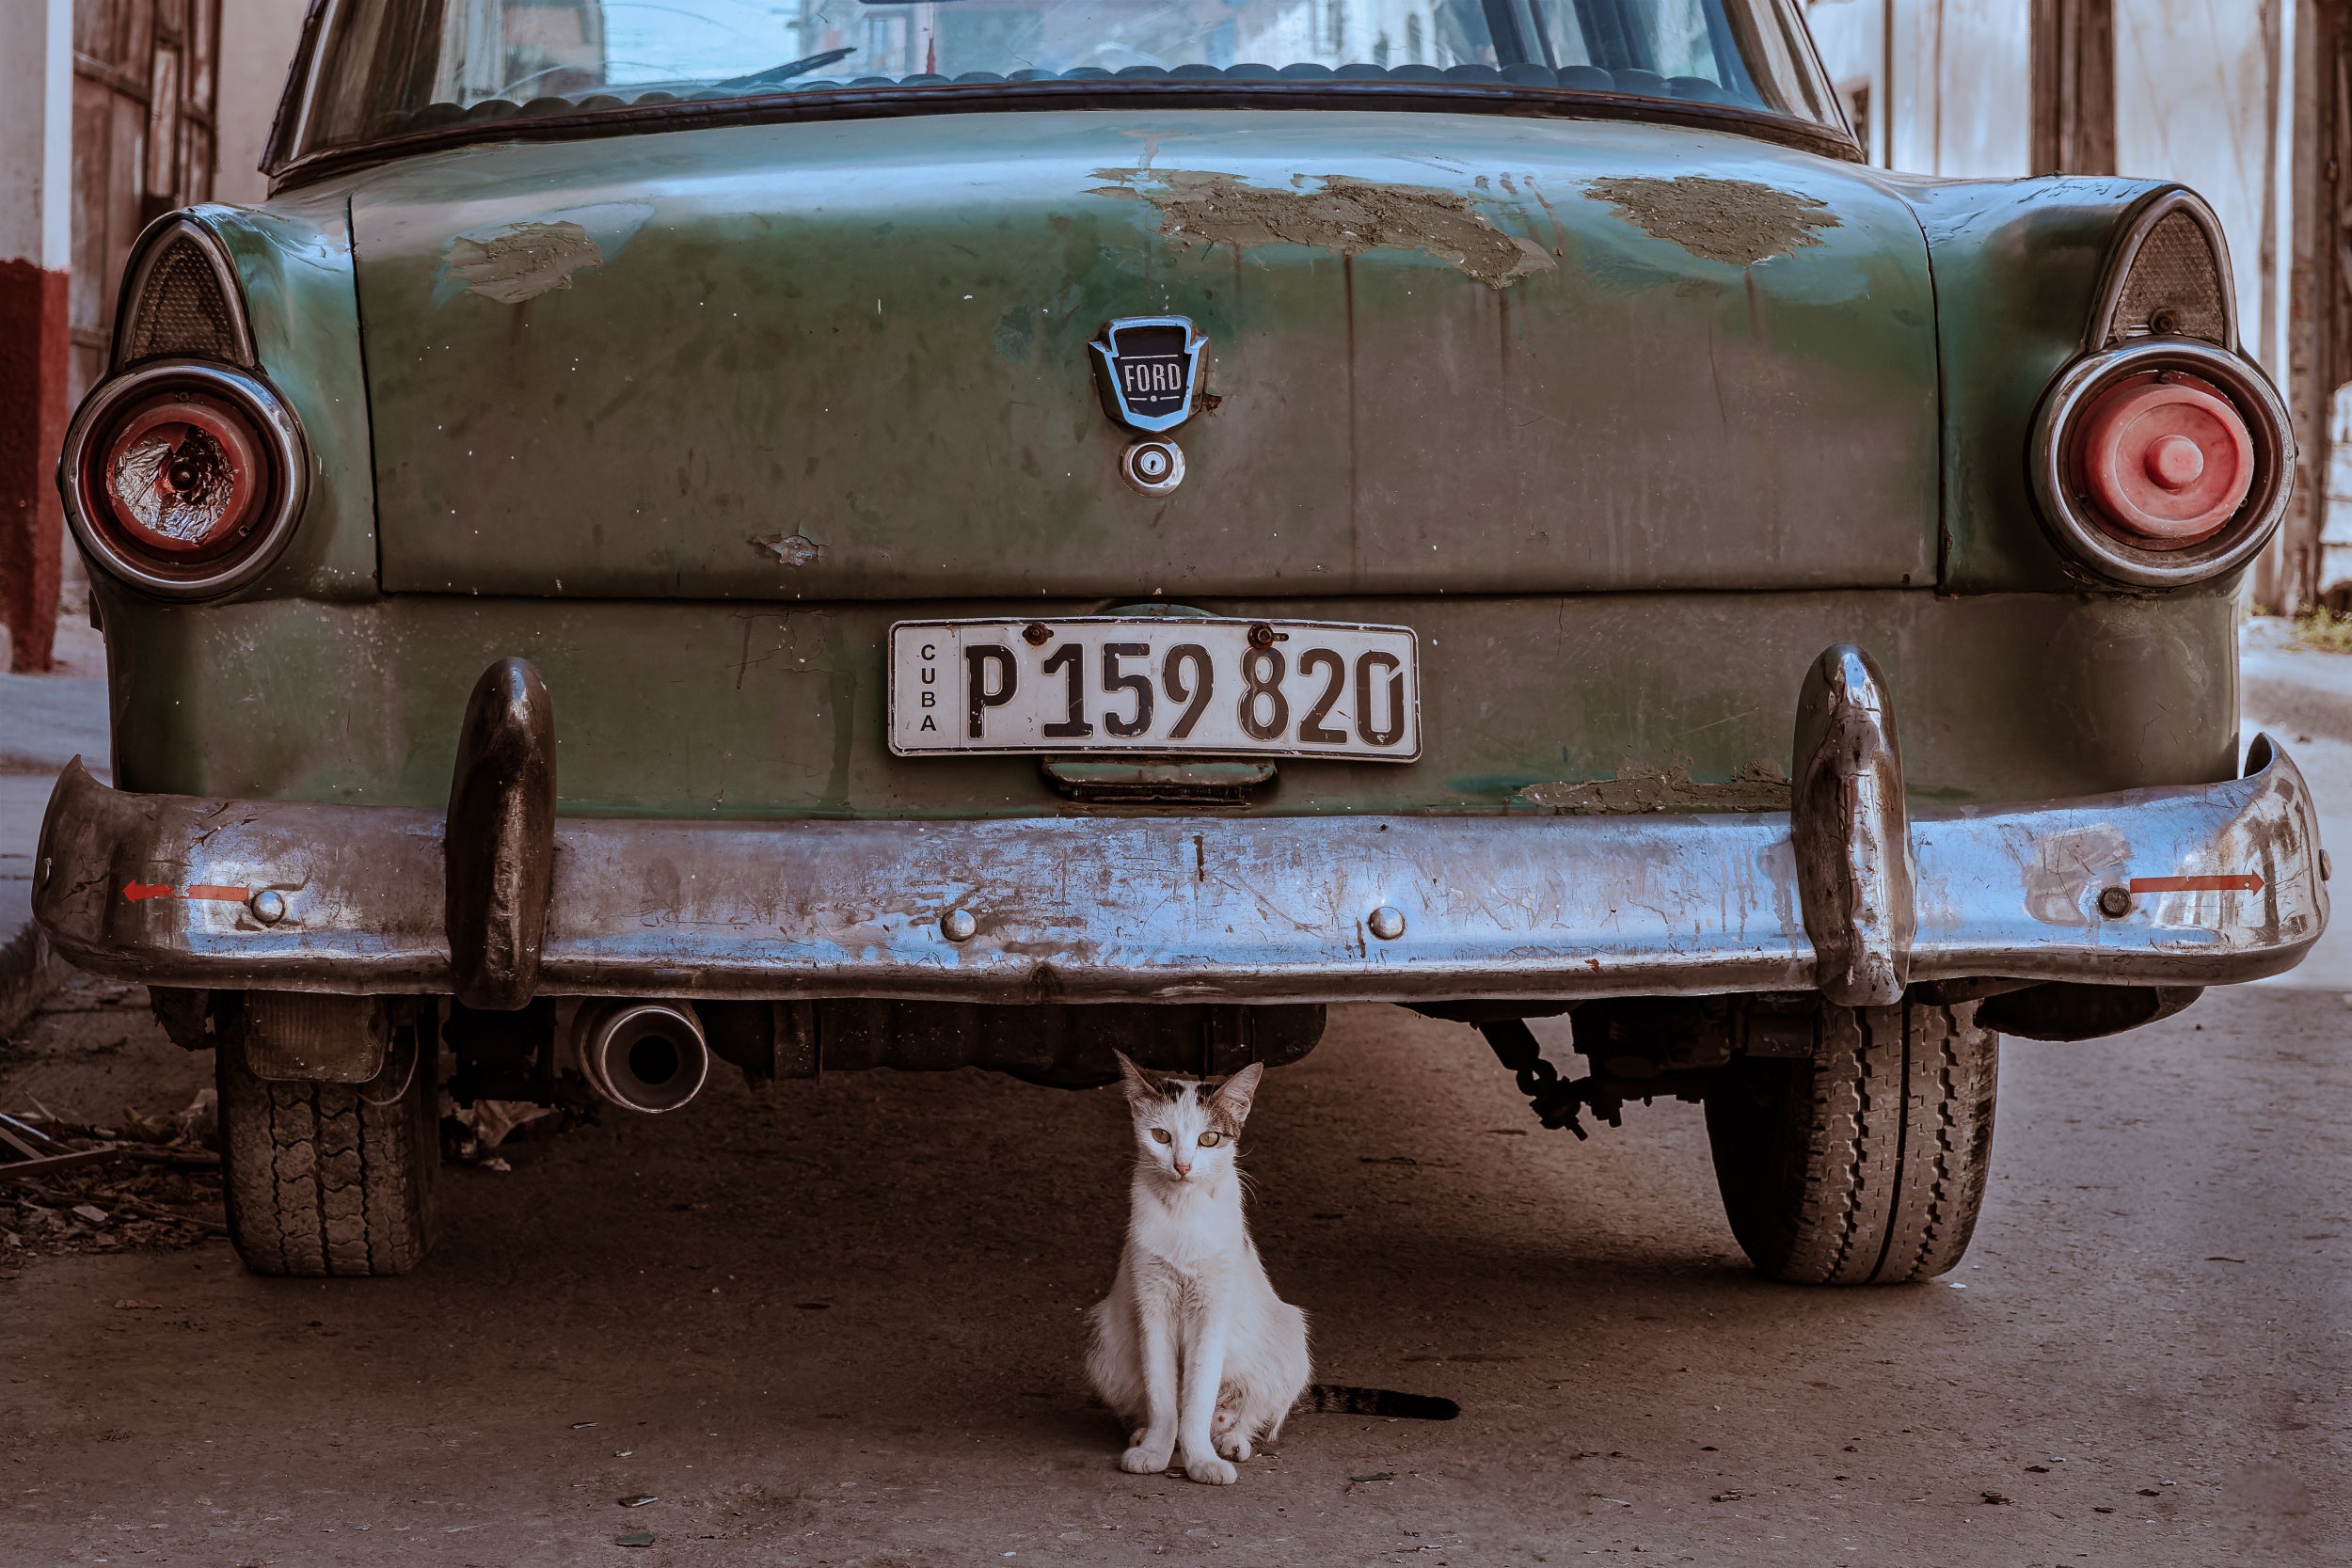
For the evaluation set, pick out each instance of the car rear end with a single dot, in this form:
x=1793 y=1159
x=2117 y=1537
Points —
x=930 y=572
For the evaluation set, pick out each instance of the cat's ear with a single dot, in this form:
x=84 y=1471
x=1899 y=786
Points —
x=1234 y=1095
x=1140 y=1085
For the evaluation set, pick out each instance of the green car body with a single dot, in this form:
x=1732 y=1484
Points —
x=1637 y=487
x=1691 y=452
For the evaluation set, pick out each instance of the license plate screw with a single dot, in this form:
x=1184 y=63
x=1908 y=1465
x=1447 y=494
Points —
x=1036 y=634
x=269 y=906
x=2115 y=902
x=1260 y=636
x=1387 y=924
x=958 y=925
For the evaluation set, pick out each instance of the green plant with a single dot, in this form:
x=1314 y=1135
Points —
x=2325 y=630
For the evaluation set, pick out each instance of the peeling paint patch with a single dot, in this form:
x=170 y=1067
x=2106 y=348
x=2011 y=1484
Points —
x=520 y=260
x=1758 y=786
x=1351 y=216
x=1739 y=222
x=523 y=261
x=793 y=549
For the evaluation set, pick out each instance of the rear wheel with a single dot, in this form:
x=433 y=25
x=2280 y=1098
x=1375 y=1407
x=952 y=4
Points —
x=1867 y=1164
x=331 y=1179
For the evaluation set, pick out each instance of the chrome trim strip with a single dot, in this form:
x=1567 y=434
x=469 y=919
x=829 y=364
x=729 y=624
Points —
x=1172 y=909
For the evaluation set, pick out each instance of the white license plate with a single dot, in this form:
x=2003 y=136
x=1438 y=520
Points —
x=1174 y=685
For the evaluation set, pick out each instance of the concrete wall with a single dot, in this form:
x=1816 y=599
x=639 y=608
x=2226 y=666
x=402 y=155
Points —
x=2196 y=101
x=1962 y=87
x=257 y=45
x=36 y=255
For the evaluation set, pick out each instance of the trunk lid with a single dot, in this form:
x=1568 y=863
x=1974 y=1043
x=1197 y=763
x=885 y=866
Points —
x=1448 y=354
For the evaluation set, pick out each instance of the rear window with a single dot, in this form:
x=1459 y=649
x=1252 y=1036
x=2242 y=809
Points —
x=385 y=68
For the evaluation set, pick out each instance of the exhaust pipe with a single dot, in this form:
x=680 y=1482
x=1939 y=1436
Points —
x=645 y=1056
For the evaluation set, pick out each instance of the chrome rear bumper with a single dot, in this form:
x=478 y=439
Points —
x=2218 y=883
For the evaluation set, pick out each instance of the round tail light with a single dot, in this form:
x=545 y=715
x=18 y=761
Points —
x=2162 y=462
x=183 y=475
x=2167 y=461
x=184 y=479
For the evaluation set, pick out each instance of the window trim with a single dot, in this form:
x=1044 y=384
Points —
x=996 y=96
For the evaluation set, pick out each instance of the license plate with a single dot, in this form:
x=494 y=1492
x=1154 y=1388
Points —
x=1174 y=685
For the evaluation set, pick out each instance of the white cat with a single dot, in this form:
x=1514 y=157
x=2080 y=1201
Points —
x=1192 y=1348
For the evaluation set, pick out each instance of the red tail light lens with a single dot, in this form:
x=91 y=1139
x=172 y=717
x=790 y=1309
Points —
x=182 y=476
x=2165 y=460
x=2160 y=462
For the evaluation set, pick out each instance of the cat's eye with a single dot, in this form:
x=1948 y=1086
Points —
x=1159 y=1134
x=1210 y=1140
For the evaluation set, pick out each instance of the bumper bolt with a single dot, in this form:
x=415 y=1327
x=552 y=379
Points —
x=958 y=926
x=268 y=905
x=2115 y=902
x=1387 y=924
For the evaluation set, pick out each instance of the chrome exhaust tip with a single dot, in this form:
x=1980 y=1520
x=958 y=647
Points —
x=645 y=1056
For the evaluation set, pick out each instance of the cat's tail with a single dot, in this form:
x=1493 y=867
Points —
x=1340 y=1398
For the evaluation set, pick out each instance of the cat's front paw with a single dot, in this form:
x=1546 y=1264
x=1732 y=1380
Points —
x=1147 y=1458
x=1233 y=1445
x=1211 y=1471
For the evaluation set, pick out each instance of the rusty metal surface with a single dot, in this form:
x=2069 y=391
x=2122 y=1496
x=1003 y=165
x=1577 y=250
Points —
x=2219 y=883
x=1850 y=833
x=336 y=1040
x=1630 y=410
x=1614 y=702
x=499 y=851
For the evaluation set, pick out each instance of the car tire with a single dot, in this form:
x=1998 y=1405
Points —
x=331 y=1179
x=1865 y=1165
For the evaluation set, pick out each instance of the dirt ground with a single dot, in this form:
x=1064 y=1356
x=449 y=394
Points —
x=838 y=1324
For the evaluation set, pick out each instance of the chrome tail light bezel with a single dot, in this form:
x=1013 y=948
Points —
x=106 y=542
x=2073 y=522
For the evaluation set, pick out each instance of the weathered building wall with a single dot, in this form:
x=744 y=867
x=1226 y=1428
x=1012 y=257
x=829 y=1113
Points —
x=36 y=253
x=257 y=45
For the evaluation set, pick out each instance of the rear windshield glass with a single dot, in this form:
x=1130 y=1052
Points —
x=386 y=67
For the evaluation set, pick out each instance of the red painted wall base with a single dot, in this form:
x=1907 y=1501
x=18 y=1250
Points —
x=33 y=357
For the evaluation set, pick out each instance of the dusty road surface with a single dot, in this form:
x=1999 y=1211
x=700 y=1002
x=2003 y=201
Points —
x=838 y=1324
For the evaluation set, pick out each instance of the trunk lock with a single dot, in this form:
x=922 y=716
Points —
x=1154 y=466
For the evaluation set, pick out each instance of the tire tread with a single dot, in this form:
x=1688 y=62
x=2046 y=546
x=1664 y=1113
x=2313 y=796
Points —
x=1868 y=1165
x=328 y=1180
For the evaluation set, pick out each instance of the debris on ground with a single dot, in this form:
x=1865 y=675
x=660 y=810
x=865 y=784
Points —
x=90 y=1189
x=81 y=1171
x=471 y=1134
x=1994 y=1497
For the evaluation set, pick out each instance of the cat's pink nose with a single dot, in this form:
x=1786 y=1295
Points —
x=1184 y=1168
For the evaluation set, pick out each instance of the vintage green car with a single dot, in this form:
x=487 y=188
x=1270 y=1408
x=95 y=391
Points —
x=982 y=531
